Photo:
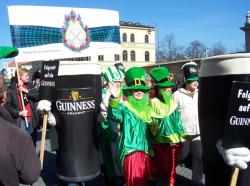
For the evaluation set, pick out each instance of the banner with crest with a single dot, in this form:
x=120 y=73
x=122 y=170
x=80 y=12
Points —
x=49 y=33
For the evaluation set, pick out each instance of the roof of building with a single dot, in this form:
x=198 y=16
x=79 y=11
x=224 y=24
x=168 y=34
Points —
x=137 y=24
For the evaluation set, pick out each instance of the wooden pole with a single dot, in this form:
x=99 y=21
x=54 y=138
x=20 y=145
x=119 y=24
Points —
x=22 y=102
x=45 y=120
x=234 y=177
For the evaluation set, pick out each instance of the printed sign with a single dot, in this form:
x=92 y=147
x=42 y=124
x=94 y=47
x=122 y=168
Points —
x=44 y=33
x=237 y=128
x=48 y=79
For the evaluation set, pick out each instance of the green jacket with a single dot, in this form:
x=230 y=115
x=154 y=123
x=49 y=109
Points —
x=167 y=126
x=134 y=129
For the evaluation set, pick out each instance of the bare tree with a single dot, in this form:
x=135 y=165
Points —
x=169 y=51
x=217 y=49
x=196 y=49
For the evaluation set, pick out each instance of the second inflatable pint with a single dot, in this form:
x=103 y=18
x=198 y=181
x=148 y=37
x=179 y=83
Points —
x=216 y=76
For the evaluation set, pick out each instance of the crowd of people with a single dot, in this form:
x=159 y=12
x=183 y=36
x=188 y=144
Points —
x=145 y=130
x=147 y=126
x=154 y=126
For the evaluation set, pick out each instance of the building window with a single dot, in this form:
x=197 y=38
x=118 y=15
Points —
x=87 y=58
x=132 y=38
x=100 y=57
x=132 y=55
x=124 y=37
x=125 y=55
x=117 y=57
x=146 y=39
x=147 y=57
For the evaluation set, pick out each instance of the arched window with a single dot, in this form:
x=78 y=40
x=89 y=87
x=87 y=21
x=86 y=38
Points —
x=125 y=55
x=132 y=38
x=124 y=37
x=147 y=57
x=146 y=39
x=132 y=55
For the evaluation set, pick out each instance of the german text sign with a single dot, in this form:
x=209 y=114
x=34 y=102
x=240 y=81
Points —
x=237 y=128
x=48 y=79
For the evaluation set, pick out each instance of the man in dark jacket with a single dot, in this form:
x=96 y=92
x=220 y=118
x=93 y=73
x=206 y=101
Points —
x=30 y=97
x=18 y=159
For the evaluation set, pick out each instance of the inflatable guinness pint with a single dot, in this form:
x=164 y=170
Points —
x=76 y=106
x=216 y=76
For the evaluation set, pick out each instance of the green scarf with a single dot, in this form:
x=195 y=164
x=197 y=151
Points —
x=165 y=96
x=163 y=105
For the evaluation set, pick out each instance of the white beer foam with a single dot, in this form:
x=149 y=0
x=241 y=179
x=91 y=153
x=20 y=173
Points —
x=230 y=64
x=79 y=68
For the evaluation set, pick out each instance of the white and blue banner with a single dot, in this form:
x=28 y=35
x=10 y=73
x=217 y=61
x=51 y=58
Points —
x=48 y=33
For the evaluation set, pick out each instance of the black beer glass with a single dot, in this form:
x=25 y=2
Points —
x=216 y=76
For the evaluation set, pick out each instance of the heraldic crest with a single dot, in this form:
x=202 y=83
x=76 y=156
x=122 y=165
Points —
x=76 y=35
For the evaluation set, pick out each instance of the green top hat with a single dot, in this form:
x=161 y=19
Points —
x=161 y=77
x=135 y=79
x=113 y=74
x=190 y=71
x=8 y=52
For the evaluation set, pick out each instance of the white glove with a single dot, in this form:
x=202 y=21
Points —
x=51 y=119
x=105 y=101
x=43 y=105
x=234 y=157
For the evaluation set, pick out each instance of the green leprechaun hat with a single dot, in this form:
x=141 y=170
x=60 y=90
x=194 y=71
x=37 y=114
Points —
x=135 y=79
x=161 y=77
x=8 y=52
x=190 y=71
x=113 y=74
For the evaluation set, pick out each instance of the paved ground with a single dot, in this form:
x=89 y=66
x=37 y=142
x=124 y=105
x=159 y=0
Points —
x=48 y=175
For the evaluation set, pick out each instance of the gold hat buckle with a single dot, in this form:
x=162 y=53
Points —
x=137 y=81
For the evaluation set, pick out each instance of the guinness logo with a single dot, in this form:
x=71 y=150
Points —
x=75 y=104
x=74 y=95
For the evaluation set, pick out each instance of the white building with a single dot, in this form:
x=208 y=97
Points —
x=137 y=46
x=137 y=43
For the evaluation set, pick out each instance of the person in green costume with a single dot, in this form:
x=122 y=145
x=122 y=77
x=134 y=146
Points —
x=134 y=116
x=109 y=130
x=167 y=130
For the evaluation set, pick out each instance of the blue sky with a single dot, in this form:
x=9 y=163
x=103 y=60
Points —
x=208 y=21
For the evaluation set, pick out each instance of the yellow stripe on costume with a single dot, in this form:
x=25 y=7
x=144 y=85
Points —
x=160 y=109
